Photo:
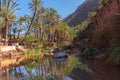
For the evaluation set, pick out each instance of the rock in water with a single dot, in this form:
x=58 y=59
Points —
x=60 y=56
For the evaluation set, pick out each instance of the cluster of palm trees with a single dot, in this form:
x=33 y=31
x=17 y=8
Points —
x=7 y=17
x=43 y=24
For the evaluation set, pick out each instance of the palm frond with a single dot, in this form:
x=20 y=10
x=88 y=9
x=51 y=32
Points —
x=115 y=56
x=8 y=3
x=14 y=5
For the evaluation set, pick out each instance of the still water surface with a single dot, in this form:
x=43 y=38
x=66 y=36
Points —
x=47 y=68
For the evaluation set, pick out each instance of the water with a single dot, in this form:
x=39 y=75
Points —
x=47 y=68
x=68 y=78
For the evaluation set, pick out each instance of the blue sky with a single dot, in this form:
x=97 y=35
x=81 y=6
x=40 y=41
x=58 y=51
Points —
x=63 y=7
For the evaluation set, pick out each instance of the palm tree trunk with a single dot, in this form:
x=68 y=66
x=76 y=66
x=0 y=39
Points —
x=14 y=35
x=10 y=33
x=57 y=38
x=29 y=26
x=18 y=35
x=6 y=30
x=37 y=33
x=41 y=33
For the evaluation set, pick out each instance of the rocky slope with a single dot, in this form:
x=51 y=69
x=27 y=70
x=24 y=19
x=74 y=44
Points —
x=81 y=12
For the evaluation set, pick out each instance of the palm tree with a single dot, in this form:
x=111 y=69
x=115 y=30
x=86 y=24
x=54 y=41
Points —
x=20 y=21
x=34 y=5
x=42 y=22
x=51 y=21
x=52 y=17
x=8 y=7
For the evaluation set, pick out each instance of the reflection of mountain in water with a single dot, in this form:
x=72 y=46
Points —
x=81 y=13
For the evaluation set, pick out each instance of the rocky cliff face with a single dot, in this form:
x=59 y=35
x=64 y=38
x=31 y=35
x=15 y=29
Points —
x=81 y=13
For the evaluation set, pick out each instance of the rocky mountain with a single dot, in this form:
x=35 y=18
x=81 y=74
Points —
x=81 y=12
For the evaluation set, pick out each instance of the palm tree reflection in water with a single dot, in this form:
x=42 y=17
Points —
x=41 y=69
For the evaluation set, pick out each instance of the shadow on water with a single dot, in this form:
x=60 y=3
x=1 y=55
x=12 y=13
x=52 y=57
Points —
x=46 y=68
x=82 y=71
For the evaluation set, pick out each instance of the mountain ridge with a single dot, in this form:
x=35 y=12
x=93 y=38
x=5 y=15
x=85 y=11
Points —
x=81 y=13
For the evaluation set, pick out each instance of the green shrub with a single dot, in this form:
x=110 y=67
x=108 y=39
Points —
x=115 y=55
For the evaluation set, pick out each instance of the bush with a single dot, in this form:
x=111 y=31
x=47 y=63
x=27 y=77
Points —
x=115 y=55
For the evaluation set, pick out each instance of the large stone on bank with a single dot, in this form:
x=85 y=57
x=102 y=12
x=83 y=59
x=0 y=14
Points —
x=61 y=56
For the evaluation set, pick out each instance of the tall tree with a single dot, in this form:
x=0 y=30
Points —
x=51 y=20
x=8 y=7
x=52 y=17
x=33 y=6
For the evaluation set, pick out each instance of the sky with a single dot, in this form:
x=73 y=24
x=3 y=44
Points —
x=63 y=7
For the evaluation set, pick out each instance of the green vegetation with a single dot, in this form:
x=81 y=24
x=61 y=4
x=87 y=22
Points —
x=44 y=32
x=7 y=16
x=104 y=34
x=42 y=26
x=115 y=55
x=102 y=2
